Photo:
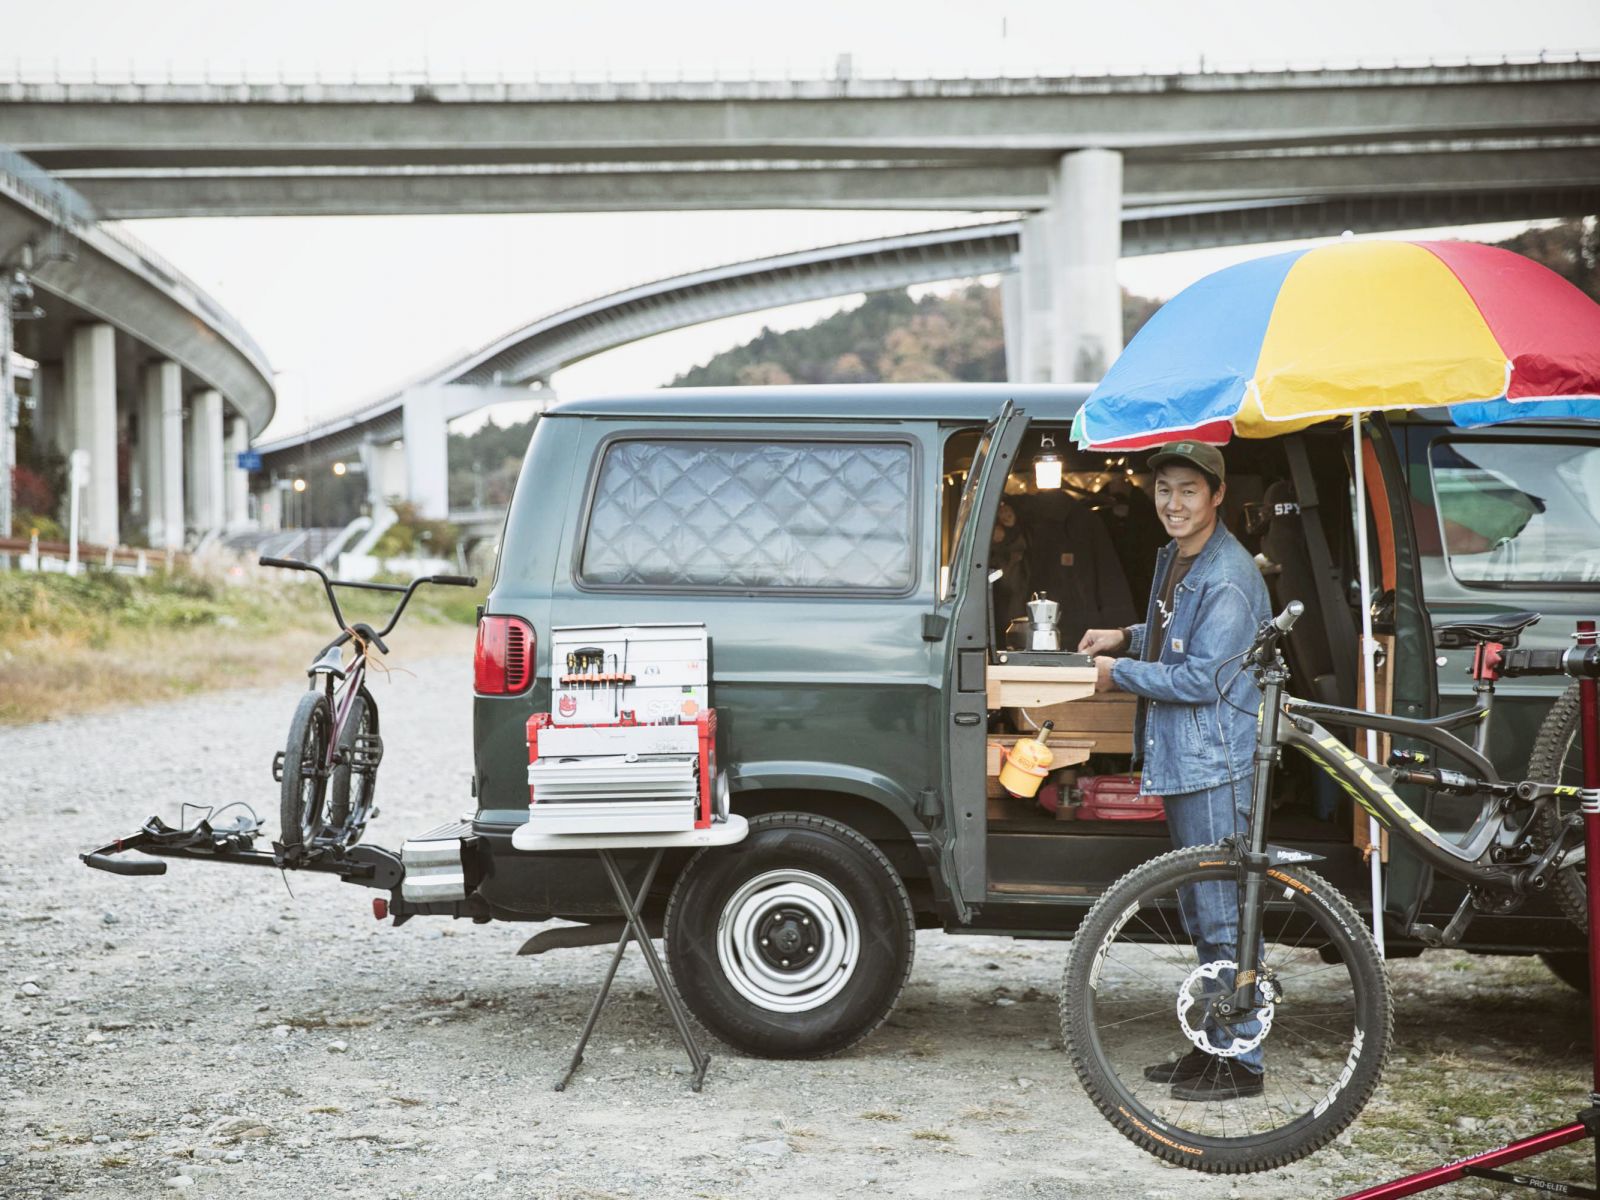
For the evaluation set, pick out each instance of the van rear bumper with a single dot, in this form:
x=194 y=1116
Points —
x=519 y=885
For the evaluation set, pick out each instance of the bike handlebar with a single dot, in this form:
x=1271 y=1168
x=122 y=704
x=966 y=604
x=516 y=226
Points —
x=1285 y=620
x=375 y=636
x=1271 y=631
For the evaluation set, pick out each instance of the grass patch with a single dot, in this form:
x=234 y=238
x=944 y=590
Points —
x=71 y=644
x=879 y=1115
x=931 y=1135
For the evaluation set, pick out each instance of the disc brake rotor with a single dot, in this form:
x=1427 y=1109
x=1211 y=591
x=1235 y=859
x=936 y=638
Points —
x=1189 y=999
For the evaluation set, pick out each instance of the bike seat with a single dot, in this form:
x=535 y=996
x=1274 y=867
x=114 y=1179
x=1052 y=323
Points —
x=1505 y=629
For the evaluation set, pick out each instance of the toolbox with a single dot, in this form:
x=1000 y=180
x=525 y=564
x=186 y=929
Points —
x=629 y=745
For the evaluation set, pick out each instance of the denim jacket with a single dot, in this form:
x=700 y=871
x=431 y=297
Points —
x=1187 y=738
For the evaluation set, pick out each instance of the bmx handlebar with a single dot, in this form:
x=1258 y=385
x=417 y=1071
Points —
x=407 y=589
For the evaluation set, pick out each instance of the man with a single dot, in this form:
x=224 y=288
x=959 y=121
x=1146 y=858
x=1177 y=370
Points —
x=1206 y=603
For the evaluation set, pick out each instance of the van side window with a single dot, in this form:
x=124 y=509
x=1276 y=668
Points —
x=1514 y=511
x=837 y=516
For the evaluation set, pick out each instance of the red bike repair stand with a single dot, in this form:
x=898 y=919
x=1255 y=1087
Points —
x=1484 y=1166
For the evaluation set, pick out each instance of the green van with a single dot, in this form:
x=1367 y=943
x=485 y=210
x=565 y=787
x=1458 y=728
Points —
x=860 y=557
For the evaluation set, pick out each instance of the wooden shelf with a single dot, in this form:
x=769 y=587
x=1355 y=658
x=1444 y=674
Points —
x=1036 y=687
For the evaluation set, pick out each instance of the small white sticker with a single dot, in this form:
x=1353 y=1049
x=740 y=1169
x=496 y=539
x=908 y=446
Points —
x=1177 y=645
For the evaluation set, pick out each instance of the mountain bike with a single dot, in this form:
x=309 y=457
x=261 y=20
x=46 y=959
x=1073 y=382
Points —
x=328 y=771
x=1306 y=985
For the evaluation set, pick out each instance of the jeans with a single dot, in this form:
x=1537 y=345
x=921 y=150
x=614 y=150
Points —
x=1211 y=910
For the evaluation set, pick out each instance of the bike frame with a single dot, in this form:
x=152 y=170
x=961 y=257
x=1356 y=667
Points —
x=343 y=686
x=1286 y=722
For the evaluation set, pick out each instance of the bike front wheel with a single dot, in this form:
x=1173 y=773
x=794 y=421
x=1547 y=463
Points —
x=1134 y=992
x=305 y=772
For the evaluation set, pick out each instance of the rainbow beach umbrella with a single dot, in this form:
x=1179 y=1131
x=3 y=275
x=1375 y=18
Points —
x=1278 y=343
x=1274 y=345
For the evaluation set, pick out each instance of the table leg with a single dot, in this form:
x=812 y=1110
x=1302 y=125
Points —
x=698 y=1058
x=616 y=959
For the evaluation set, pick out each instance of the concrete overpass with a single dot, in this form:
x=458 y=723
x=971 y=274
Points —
x=1077 y=154
x=174 y=149
x=130 y=352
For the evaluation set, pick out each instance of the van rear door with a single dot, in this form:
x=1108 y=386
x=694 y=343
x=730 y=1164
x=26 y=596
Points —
x=964 y=605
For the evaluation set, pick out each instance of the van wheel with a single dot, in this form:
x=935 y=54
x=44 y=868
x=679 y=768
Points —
x=796 y=942
x=1569 y=966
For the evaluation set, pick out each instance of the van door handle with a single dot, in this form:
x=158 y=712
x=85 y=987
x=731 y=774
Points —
x=966 y=718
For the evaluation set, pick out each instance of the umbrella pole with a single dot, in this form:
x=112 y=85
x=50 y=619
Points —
x=1370 y=683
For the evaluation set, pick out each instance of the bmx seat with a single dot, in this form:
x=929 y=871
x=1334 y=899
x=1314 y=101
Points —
x=1505 y=629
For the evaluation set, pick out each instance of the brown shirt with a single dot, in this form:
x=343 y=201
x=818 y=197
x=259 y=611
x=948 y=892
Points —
x=1156 y=636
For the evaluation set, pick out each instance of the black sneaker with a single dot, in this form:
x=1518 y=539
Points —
x=1222 y=1079
x=1191 y=1066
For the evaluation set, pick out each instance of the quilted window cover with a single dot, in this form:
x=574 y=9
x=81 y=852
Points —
x=815 y=515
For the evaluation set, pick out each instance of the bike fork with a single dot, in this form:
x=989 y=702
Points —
x=1253 y=856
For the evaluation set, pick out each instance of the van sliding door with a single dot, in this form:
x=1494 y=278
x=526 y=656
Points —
x=965 y=605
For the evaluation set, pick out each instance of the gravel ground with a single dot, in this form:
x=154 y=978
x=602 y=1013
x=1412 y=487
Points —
x=207 y=1031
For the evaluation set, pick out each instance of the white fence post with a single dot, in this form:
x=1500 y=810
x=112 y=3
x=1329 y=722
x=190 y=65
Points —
x=78 y=468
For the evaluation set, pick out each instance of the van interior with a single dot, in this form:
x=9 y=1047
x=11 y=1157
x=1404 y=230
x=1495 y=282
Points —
x=1090 y=544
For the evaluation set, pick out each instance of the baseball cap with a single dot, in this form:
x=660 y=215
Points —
x=1202 y=455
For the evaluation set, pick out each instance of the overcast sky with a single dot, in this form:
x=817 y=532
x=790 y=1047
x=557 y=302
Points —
x=349 y=307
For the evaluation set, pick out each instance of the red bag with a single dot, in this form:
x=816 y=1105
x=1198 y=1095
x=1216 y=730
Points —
x=1116 y=798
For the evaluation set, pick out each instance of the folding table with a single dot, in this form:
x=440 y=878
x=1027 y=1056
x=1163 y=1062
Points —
x=731 y=829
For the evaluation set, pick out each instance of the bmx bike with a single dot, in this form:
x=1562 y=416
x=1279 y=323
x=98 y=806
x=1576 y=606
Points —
x=328 y=770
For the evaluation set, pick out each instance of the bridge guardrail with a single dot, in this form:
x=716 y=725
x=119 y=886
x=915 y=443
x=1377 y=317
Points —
x=53 y=73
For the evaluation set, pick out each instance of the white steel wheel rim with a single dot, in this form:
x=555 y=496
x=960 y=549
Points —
x=746 y=963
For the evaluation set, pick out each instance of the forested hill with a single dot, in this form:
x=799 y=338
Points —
x=889 y=339
x=894 y=339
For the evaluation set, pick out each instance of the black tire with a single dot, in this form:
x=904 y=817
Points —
x=794 y=876
x=350 y=788
x=1324 y=1048
x=301 y=809
x=1558 y=758
x=1569 y=966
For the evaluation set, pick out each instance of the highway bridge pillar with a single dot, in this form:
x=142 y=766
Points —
x=385 y=464
x=50 y=418
x=90 y=379
x=161 y=452
x=1011 y=323
x=205 y=461
x=238 y=486
x=1085 y=243
x=426 y=434
x=1036 y=323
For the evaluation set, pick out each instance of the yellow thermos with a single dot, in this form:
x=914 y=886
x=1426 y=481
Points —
x=1027 y=763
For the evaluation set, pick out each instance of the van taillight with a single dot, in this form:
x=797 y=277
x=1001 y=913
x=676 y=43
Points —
x=502 y=663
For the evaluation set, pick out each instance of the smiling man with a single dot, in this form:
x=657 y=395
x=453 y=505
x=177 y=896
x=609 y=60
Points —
x=1206 y=603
